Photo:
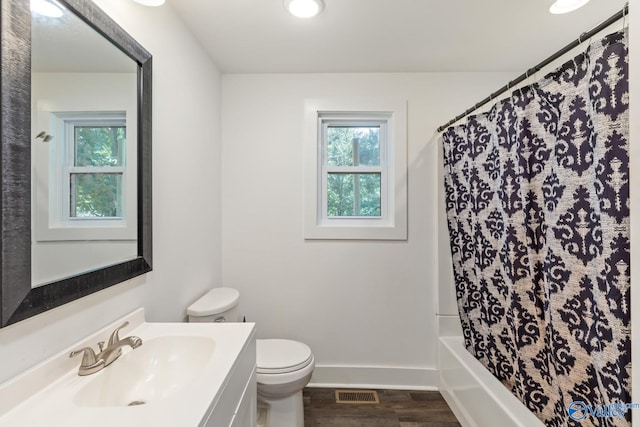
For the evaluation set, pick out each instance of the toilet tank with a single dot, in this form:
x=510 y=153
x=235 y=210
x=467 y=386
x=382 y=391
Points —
x=217 y=305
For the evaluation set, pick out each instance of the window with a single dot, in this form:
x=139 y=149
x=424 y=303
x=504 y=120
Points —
x=85 y=173
x=89 y=166
x=355 y=171
x=352 y=168
x=95 y=168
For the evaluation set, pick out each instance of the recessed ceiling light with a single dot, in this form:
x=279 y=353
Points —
x=150 y=2
x=46 y=8
x=303 y=8
x=564 y=6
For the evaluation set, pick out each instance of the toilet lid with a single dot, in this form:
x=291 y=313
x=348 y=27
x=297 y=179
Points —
x=216 y=301
x=276 y=356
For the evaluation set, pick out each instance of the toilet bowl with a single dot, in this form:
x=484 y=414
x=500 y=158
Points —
x=284 y=367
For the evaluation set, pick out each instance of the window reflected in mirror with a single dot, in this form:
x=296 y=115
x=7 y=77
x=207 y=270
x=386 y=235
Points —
x=84 y=150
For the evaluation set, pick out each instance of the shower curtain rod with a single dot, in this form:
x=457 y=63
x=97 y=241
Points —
x=531 y=71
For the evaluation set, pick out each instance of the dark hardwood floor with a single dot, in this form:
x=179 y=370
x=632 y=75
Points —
x=396 y=409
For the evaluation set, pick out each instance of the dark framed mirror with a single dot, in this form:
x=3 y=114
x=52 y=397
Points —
x=20 y=134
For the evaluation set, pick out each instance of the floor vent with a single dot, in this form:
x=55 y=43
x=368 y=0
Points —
x=357 y=396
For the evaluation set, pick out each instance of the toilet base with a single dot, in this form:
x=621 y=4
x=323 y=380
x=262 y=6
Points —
x=287 y=411
x=262 y=415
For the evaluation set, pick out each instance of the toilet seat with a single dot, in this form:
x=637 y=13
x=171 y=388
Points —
x=278 y=356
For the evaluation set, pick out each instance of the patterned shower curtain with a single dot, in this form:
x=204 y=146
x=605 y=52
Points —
x=537 y=199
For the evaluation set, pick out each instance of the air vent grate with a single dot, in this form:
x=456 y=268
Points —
x=357 y=397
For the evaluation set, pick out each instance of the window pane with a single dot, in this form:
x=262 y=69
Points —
x=369 y=194
x=99 y=145
x=353 y=146
x=351 y=194
x=96 y=195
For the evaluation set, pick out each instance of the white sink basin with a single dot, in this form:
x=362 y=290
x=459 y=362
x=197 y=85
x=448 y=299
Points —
x=156 y=370
x=179 y=376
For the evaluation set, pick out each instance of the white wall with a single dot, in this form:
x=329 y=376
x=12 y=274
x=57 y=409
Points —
x=186 y=197
x=357 y=304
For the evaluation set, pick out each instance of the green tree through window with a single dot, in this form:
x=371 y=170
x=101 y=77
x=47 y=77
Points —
x=349 y=192
x=96 y=191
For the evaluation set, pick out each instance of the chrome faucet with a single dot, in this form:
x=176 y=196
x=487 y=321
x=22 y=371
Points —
x=92 y=362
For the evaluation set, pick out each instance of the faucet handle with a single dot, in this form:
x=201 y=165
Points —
x=89 y=363
x=88 y=356
x=114 y=338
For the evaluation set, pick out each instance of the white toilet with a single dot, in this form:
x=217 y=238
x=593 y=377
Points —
x=284 y=367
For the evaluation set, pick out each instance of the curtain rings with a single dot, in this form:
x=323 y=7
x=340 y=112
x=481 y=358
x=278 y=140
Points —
x=531 y=74
x=585 y=52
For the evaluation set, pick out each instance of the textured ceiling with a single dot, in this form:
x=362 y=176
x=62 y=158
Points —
x=258 y=36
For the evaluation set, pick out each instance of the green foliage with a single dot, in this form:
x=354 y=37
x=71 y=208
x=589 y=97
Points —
x=353 y=194
x=99 y=146
x=340 y=146
x=340 y=195
x=98 y=194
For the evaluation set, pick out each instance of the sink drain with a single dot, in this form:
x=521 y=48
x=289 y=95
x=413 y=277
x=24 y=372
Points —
x=137 y=403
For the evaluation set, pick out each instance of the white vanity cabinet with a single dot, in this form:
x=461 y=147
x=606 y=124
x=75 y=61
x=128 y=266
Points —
x=245 y=415
x=237 y=402
x=183 y=374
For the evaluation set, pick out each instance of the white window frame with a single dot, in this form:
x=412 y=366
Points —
x=327 y=120
x=52 y=211
x=391 y=115
x=61 y=188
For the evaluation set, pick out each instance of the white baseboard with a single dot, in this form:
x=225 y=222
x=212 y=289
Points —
x=375 y=377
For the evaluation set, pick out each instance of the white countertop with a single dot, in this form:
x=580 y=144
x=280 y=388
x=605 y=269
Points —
x=44 y=395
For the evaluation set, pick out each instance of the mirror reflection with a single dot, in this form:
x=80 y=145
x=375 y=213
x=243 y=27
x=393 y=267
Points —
x=83 y=146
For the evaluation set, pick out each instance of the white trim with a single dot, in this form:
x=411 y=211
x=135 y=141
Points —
x=377 y=377
x=64 y=165
x=392 y=225
x=52 y=221
x=325 y=121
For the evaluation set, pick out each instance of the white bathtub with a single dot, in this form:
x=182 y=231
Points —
x=475 y=396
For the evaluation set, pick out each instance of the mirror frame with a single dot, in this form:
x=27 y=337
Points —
x=19 y=300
